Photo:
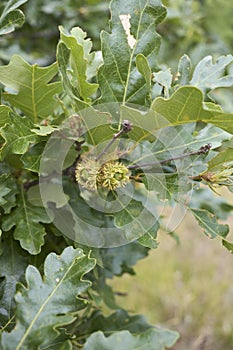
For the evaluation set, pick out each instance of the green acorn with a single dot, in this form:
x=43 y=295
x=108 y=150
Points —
x=86 y=173
x=113 y=175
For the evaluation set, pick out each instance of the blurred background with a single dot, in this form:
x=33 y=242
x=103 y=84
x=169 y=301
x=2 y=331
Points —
x=195 y=27
x=187 y=286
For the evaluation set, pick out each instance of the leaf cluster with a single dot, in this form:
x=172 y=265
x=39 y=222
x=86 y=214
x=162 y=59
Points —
x=179 y=149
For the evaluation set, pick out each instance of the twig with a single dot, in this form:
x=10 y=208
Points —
x=203 y=150
x=29 y=184
x=126 y=127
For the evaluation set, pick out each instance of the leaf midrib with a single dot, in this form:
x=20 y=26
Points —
x=43 y=306
x=33 y=95
x=205 y=225
x=132 y=54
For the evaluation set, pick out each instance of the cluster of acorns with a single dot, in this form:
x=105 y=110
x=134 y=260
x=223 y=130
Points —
x=92 y=174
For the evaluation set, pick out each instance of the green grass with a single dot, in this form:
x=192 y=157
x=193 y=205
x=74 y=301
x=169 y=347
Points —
x=186 y=287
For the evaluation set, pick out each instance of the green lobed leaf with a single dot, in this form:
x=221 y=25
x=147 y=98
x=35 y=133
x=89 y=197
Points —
x=133 y=31
x=209 y=223
x=223 y=158
x=186 y=106
x=208 y=75
x=117 y=321
x=26 y=220
x=17 y=135
x=134 y=219
x=8 y=191
x=63 y=56
x=149 y=238
x=147 y=125
x=12 y=267
x=80 y=58
x=152 y=339
x=119 y=260
x=29 y=87
x=48 y=303
x=11 y=17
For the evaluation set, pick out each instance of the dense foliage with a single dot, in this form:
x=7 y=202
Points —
x=94 y=145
